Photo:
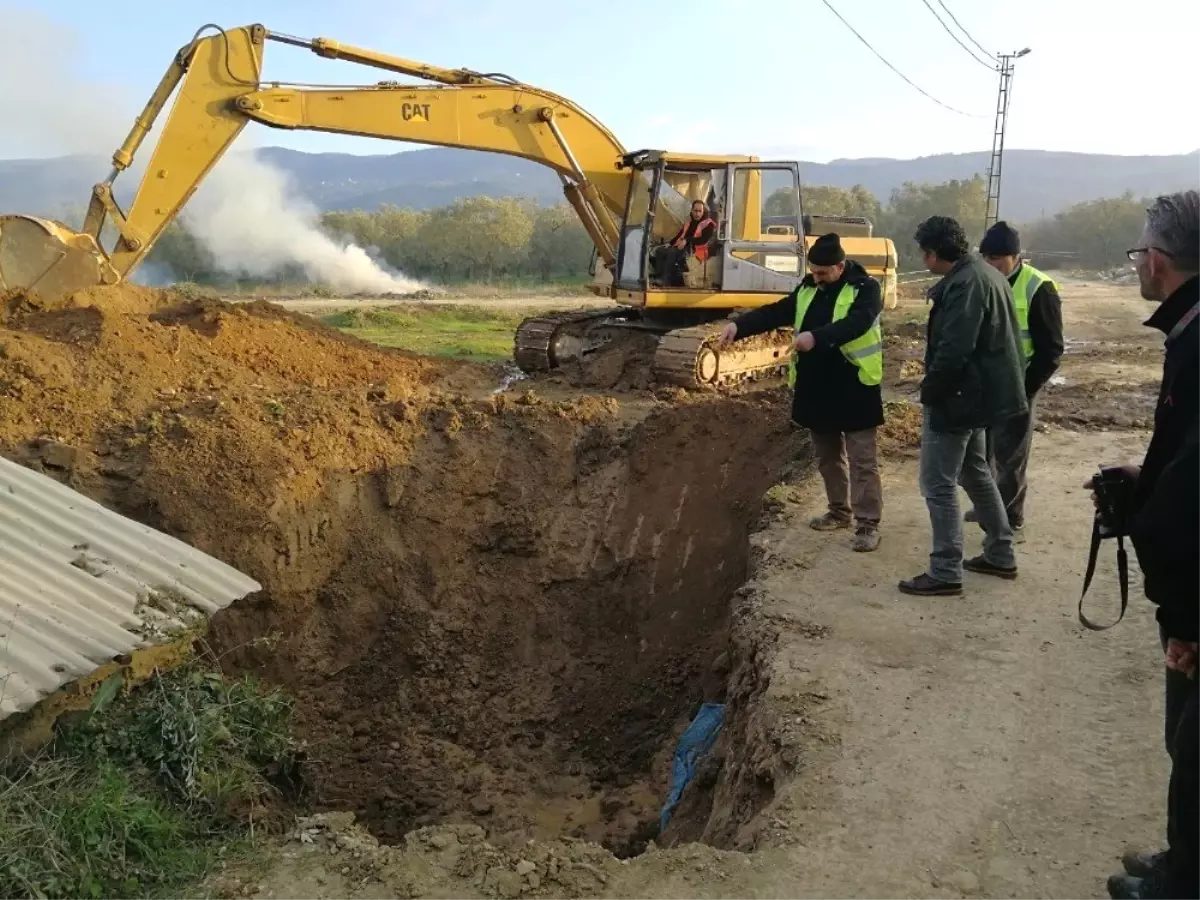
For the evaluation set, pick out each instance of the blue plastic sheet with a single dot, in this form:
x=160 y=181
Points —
x=693 y=744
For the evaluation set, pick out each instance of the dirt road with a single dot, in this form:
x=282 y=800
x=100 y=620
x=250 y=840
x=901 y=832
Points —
x=986 y=746
x=983 y=746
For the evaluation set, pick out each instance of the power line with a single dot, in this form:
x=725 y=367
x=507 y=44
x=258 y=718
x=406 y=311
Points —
x=982 y=49
x=897 y=71
x=957 y=39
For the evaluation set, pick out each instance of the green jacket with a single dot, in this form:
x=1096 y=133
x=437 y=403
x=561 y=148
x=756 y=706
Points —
x=974 y=370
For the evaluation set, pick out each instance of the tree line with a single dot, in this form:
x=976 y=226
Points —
x=1094 y=234
x=496 y=239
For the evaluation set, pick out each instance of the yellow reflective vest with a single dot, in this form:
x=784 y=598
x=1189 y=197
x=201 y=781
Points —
x=1024 y=287
x=865 y=351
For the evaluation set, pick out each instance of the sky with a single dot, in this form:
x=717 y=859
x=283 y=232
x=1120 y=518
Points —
x=781 y=79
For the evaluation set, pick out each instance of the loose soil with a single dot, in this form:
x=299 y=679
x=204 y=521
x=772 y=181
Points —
x=500 y=610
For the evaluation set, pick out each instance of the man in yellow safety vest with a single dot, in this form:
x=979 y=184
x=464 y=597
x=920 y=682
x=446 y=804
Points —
x=1039 y=315
x=835 y=374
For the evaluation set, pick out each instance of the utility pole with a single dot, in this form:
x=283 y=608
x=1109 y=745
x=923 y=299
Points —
x=996 y=166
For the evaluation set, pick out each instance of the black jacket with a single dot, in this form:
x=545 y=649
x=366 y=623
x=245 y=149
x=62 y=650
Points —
x=1046 y=332
x=1165 y=529
x=828 y=396
x=974 y=371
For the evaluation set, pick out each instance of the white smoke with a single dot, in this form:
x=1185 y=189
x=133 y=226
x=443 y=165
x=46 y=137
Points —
x=249 y=216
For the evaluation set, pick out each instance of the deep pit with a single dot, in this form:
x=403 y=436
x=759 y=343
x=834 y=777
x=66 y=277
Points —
x=492 y=609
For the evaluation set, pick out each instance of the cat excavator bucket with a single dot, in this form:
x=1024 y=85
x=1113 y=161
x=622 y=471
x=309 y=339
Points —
x=47 y=259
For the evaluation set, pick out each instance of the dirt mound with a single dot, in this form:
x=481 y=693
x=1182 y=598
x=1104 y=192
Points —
x=117 y=299
x=329 y=855
x=497 y=610
x=113 y=382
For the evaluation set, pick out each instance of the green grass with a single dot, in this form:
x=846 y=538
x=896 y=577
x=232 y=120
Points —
x=71 y=830
x=145 y=792
x=460 y=332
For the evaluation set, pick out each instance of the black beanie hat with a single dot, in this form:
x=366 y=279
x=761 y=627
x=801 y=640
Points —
x=1001 y=240
x=826 y=251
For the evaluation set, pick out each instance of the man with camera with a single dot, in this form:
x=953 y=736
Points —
x=1158 y=506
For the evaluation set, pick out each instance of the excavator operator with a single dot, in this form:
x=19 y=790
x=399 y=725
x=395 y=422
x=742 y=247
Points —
x=692 y=239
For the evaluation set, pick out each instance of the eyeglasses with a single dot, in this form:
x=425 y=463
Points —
x=1137 y=251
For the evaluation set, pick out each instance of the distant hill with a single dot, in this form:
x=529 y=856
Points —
x=1036 y=182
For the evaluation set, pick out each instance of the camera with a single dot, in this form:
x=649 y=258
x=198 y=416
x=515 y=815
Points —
x=1114 y=500
x=1113 y=488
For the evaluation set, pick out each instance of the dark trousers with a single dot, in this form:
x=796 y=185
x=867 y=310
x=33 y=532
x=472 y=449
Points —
x=853 y=489
x=1008 y=446
x=1183 y=807
x=670 y=264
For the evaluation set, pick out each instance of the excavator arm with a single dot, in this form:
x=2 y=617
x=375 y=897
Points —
x=217 y=84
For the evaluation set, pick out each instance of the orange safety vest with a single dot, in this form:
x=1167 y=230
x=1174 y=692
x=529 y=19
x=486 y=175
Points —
x=701 y=250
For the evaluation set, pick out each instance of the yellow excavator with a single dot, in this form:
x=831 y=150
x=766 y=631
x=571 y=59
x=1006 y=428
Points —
x=629 y=202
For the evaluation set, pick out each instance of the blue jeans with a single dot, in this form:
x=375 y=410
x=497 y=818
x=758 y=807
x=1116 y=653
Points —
x=948 y=459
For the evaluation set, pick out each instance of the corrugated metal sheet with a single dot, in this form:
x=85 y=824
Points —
x=80 y=584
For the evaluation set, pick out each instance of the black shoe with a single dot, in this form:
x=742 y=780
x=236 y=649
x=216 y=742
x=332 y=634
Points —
x=925 y=586
x=1125 y=887
x=1140 y=863
x=1157 y=886
x=981 y=566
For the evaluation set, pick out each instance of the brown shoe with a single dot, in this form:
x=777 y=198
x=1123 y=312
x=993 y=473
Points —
x=866 y=539
x=829 y=522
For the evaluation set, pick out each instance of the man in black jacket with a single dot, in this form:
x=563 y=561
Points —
x=1039 y=317
x=974 y=379
x=1165 y=532
x=836 y=372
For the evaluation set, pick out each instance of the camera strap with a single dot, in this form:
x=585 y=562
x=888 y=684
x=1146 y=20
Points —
x=1184 y=321
x=1122 y=576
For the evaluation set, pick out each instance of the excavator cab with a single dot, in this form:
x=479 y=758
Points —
x=750 y=252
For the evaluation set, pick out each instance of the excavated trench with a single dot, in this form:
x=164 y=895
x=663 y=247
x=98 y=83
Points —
x=514 y=627
x=494 y=610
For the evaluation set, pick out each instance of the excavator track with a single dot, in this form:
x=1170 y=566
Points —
x=690 y=358
x=543 y=343
x=686 y=357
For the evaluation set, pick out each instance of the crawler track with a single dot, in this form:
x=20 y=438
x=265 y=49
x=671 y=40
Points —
x=686 y=357
x=543 y=343
x=689 y=357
